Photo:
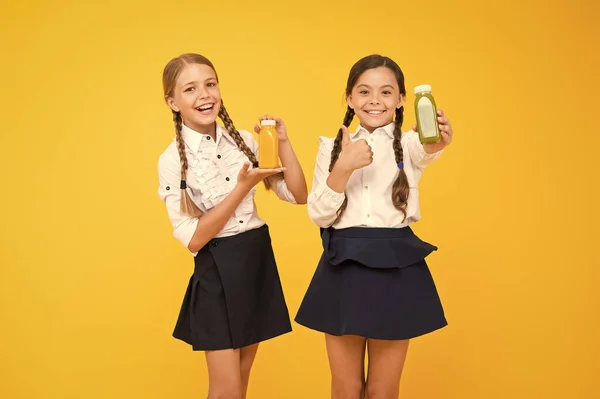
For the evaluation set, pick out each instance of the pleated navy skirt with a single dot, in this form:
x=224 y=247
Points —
x=234 y=298
x=374 y=283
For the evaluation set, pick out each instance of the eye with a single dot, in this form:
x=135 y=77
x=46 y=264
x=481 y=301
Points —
x=364 y=92
x=189 y=89
x=211 y=84
x=387 y=92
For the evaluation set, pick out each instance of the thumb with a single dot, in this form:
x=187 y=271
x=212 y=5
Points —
x=245 y=167
x=345 y=136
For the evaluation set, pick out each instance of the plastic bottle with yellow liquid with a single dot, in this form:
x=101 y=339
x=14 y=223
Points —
x=426 y=113
x=268 y=145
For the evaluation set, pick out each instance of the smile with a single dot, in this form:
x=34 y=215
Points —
x=205 y=109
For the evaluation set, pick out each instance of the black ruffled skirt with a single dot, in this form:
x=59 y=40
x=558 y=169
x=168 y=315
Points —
x=375 y=283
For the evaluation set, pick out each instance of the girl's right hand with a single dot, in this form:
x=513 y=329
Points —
x=355 y=154
x=249 y=178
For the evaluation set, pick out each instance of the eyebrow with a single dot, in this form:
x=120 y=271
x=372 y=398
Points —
x=367 y=86
x=194 y=82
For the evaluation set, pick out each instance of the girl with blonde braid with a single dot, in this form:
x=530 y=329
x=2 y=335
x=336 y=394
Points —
x=207 y=179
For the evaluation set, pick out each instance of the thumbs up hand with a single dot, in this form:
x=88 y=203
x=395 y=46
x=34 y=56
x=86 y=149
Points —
x=355 y=154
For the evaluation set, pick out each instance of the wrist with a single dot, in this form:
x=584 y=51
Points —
x=342 y=166
x=431 y=149
x=242 y=188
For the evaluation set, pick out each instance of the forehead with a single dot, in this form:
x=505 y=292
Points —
x=377 y=77
x=195 y=73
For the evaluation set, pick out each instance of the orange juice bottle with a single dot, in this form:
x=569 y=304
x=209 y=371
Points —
x=268 y=145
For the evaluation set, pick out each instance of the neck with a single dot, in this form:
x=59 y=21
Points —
x=371 y=129
x=210 y=130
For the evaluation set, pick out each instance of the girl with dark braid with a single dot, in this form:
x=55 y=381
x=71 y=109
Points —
x=207 y=179
x=372 y=288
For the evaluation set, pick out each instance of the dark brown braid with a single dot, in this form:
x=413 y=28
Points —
x=239 y=140
x=400 y=189
x=335 y=154
x=187 y=206
x=337 y=144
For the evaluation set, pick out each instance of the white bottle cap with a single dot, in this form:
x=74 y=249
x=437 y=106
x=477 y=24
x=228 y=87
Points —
x=423 y=89
x=268 y=122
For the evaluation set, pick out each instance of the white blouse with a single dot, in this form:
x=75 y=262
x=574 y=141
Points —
x=213 y=168
x=369 y=189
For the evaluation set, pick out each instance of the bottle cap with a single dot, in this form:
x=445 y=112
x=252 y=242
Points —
x=423 y=89
x=268 y=122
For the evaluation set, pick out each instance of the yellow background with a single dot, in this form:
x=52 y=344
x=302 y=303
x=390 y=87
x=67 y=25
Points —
x=91 y=279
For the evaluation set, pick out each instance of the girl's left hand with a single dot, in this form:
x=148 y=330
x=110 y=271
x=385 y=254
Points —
x=279 y=126
x=445 y=131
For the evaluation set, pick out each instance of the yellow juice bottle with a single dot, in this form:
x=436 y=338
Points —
x=268 y=145
x=426 y=112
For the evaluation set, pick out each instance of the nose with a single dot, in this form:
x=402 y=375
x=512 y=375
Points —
x=203 y=92
x=374 y=99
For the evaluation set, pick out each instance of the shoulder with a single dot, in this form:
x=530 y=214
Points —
x=249 y=140
x=247 y=136
x=326 y=143
x=325 y=146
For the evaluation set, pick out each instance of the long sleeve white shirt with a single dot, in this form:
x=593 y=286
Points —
x=369 y=189
x=213 y=168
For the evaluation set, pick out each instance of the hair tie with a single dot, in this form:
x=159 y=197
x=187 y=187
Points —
x=255 y=164
x=401 y=165
x=182 y=185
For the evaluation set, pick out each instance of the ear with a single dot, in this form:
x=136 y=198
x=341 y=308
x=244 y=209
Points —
x=401 y=100
x=172 y=105
x=349 y=101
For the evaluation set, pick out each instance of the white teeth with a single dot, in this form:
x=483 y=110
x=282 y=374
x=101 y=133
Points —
x=375 y=112
x=205 y=108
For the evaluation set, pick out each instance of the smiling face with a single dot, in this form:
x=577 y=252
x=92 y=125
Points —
x=375 y=97
x=196 y=96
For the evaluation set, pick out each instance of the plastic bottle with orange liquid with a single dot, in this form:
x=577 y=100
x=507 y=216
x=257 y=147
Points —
x=268 y=145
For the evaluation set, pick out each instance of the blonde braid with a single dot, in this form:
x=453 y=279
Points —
x=187 y=206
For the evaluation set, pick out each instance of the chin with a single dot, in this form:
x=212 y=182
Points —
x=205 y=121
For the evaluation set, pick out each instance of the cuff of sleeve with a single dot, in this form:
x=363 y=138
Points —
x=284 y=193
x=185 y=231
x=428 y=156
x=331 y=198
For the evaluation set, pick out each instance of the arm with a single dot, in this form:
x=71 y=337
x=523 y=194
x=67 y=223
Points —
x=292 y=187
x=323 y=200
x=418 y=152
x=424 y=154
x=194 y=233
x=328 y=189
x=294 y=176
x=212 y=222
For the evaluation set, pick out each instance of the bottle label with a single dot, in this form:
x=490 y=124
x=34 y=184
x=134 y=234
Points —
x=427 y=119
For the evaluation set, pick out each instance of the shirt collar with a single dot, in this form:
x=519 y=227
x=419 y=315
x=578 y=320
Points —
x=193 y=139
x=221 y=131
x=387 y=129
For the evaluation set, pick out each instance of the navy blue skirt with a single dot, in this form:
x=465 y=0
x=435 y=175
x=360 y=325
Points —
x=374 y=283
x=234 y=298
